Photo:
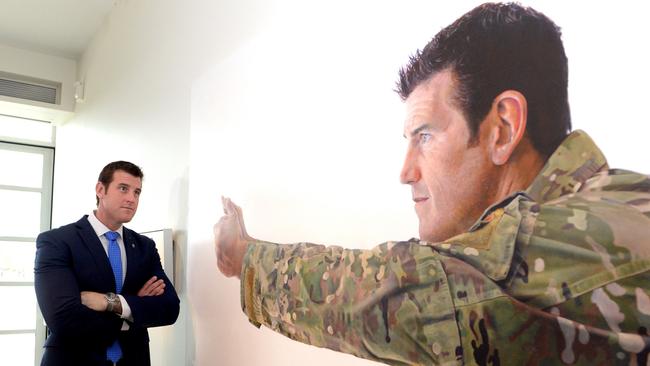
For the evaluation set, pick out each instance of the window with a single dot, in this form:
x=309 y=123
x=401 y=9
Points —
x=26 y=168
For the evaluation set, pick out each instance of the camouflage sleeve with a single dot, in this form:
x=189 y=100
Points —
x=390 y=304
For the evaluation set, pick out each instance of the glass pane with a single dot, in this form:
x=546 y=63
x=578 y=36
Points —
x=20 y=213
x=17 y=261
x=17 y=349
x=26 y=129
x=18 y=168
x=18 y=308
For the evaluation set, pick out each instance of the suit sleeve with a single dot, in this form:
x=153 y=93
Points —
x=58 y=295
x=154 y=311
x=390 y=304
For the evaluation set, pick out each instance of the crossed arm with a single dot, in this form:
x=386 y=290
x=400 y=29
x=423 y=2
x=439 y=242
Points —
x=76 y=314
x=98 y=302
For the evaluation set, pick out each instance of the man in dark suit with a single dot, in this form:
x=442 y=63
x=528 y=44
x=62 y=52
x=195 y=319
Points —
x=100 y=285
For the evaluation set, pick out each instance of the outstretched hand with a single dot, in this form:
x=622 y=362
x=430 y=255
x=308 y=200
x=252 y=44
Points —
x=230 y=239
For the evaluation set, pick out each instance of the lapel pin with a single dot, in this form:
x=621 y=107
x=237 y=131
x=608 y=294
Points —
x=132 y=245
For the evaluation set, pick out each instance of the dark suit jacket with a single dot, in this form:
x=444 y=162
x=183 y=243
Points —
x=71 y=259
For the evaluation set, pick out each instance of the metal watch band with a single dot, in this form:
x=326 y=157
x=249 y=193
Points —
x=112 y=300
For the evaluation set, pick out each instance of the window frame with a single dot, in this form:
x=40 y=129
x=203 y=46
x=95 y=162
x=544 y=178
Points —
x=48 y=151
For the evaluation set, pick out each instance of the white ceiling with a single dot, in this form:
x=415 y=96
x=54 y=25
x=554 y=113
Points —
x=56 y=27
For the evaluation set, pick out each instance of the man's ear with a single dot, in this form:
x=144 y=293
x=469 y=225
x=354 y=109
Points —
x=99 y=190
x=509 y=112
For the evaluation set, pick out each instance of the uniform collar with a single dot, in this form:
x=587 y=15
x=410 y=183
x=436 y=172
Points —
x=573 y=162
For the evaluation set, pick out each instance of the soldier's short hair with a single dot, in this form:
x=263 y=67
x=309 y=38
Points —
x=497 y=47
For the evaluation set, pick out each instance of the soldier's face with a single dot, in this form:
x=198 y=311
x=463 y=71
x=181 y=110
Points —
x=452 y=182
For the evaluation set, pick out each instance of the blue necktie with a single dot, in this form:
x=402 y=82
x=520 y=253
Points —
x=114 y=351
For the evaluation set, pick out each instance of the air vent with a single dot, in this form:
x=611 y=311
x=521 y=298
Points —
x=23 y=87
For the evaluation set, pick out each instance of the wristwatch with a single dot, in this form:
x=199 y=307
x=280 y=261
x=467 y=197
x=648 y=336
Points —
x=112 y=300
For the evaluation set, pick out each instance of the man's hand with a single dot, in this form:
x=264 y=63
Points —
x=153 y=287
x=94 y=300
x=98 y=302
x=230 y=239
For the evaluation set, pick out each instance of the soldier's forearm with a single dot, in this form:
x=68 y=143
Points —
x=380 y=304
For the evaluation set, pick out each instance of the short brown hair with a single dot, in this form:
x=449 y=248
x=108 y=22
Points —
x=106 y=175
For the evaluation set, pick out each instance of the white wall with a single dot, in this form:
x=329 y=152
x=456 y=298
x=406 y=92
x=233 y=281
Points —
x=300 y=127
x=138 y=72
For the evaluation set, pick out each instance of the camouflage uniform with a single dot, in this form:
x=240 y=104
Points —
x=558 y=274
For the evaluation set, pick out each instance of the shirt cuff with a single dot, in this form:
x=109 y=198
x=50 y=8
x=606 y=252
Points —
x=126 y=312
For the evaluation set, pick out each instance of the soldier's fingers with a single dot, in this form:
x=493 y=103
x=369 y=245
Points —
x=230 y=207
x=242 y=224
x=224 y=202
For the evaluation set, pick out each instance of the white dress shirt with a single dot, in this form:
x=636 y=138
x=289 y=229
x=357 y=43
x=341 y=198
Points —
x=100 y=230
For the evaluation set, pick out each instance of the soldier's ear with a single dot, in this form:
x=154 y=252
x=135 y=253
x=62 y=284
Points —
x=509 y=113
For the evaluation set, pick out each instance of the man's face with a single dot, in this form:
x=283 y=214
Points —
x=119 y=201
x=452 y=182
